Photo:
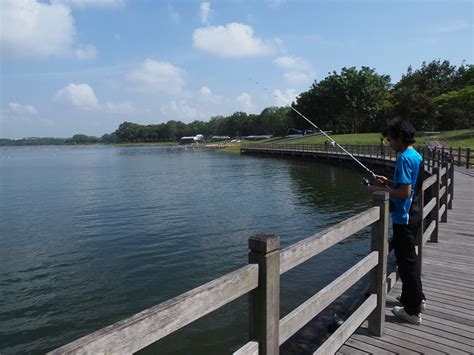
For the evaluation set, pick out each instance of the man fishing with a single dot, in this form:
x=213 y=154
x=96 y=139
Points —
x=404 y=193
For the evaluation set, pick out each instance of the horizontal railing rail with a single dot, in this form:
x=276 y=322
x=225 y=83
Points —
x=261 y=278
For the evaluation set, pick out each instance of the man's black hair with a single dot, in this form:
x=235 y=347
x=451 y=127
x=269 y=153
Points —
x=400 y=129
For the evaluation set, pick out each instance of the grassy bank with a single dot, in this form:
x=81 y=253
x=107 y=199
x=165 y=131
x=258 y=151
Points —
x=460 y=138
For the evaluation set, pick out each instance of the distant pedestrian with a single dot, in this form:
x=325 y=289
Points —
x=405 y=191
x=382 y=147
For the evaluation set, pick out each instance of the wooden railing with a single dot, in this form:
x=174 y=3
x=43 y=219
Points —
x=358 y=149
x=463 y=157
x=261 y=280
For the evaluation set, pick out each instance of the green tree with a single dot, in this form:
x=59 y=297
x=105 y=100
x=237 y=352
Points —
x=414 y=93
x=349 y=102
x=456 y=109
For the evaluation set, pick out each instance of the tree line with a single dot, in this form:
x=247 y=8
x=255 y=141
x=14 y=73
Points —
x=436 y=96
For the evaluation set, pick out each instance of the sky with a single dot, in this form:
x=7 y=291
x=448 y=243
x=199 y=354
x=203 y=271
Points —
x=85 y=66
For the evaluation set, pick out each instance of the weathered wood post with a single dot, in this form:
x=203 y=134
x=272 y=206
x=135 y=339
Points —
x=451 y=184
x=264 y=321
x=435 y=211
x=444 y=183
x=468 y=157
x=378 y=276
x=421 y=229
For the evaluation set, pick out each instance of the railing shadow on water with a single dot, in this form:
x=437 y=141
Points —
x=260 y=279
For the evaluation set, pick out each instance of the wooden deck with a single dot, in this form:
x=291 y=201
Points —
x=448 y=283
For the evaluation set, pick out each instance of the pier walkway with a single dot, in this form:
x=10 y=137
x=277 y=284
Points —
x=448 y=282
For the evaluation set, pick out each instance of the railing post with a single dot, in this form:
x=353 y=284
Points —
x=264 y=321
x=435 y=211
x=459 y=156
x=421 y=229
x=451 y=185
x=378 y=276
x=468 y=156
x=444 y=198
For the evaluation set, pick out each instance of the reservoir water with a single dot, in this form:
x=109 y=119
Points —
x=91 y=235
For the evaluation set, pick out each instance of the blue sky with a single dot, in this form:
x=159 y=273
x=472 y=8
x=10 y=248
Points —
x=85 y=66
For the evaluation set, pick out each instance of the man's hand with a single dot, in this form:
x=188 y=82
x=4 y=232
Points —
x=381 y=179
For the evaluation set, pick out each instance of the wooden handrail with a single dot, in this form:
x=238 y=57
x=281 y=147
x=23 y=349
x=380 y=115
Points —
x=301 y=315
x=152 y=324
x=305 y=249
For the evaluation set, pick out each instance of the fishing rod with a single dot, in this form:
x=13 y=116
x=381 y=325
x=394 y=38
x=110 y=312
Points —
x=366 y=181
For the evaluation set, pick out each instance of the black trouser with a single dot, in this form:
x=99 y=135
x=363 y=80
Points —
x=404 y=242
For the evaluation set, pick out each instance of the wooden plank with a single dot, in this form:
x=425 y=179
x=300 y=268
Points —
x=429 y=206
x=307 y=248
x=442 y=191
x=429 y=230
x=251 y=348
x=345 y=349
x=309 y=309
x=152 y=324
x=442 y=209
x=383 y=343
x=431 y=327
x=421 y=341
x=427 y=337
x=428 y=182
x=367 y=347
x=337 y=339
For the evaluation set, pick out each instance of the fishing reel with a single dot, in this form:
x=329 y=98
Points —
x=366 y=181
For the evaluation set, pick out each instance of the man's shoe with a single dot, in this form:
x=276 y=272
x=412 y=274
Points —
x=422 y=304
x=402 y=314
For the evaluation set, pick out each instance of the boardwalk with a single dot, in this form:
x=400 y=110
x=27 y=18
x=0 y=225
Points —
x=448 y=282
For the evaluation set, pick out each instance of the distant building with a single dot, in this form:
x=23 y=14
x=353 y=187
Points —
x=199 y=138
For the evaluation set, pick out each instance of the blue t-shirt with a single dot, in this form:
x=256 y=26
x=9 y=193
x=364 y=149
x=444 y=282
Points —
x=406 y=173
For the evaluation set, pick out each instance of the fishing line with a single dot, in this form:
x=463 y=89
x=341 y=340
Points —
x=320 y=130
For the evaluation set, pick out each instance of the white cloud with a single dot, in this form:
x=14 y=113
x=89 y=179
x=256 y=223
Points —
x=245 y=103
x=205 y=10
x=231 y=40
x=285 y=97
x=155 y=76
x=33 y=29
x=20 y=109
x=77 y=95
x=180 y=111
x=205 y=91
x=86 y=52
x=298 y=70
x=91 y=3
x=292 y=63
x=82 y=96
x=173 y=15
